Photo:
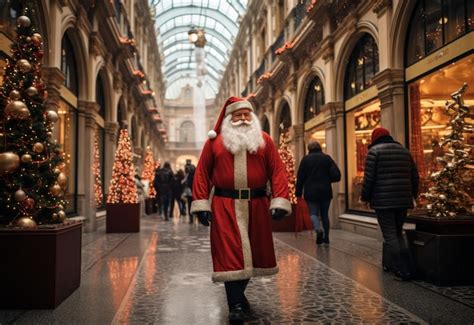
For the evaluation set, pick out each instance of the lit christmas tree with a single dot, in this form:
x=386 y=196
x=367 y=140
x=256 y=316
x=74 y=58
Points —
x=289 y=160
x=99 y=196
x=122 y=187
x=149 y=172
x=449 y=196
x=32 y=176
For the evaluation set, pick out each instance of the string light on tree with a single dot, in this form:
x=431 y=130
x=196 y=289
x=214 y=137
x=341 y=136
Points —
x=289 y=160
x=122 y=187
x=149 y=172
x=98 y=193
x=31 y=192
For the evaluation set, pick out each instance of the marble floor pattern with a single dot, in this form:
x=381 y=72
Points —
x=162 y=276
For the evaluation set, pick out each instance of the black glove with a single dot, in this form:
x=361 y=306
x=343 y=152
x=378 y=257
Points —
x=278 y=214
x=204 y=217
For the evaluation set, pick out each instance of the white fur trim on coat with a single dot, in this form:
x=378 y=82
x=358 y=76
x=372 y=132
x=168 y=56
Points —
x=212 y=134
x=200 y=205
x=232 y=275
x=281 y=203
x=265 y=272
x=238 y=105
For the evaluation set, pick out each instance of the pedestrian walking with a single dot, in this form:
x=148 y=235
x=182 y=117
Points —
x=189 y=169
x=163 y=184
x=177 y=192
x=390 y=187
x=316 y=173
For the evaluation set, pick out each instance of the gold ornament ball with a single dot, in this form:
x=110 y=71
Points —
x=26 y=223
x=13 y=108
x=38 y=147
x=26 y=158
x=55 y=190
x=32 y=91
x=49 y=134
x=9 y=162
x=442 y=197
x=23 y=65
x=52 y=116
x=15 y=95
x=61 y=207
x=55 y=216
x=56 y=171
x=20 y=195
x=36 y=37
x=28 y=39
x=61 y=215
x=24 y=21
x=62 y=179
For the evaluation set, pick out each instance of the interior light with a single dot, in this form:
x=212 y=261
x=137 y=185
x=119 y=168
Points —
x=443 y=20
x=317 y=87
x=353 y=85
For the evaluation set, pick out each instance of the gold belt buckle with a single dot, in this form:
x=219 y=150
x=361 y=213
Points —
x=244 y=193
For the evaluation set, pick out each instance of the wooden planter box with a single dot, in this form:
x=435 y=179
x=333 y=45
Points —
x=442 y=250
x=122 y=217
x=41 y=267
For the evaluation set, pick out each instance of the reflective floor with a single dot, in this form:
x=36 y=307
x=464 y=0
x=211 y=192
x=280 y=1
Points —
x=162 y=276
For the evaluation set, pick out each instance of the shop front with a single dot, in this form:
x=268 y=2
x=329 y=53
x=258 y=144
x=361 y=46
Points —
x=439 y=60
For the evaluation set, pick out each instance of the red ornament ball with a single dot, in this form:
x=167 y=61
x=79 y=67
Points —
x=28 y=203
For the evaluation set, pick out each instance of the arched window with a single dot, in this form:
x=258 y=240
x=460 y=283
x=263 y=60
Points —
x=134 y=132
x=68 y=65
x=266 y=125
x=121 y=117
x=314 y=99
x=284 y=121
x=362 y=66
x=186 y=132
x=100 y=95
x=435 y=23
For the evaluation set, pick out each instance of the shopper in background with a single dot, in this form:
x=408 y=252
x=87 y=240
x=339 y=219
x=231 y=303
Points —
x=316 y=173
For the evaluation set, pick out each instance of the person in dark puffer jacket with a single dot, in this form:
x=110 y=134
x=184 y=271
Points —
x=391 y=186
x=316 y=173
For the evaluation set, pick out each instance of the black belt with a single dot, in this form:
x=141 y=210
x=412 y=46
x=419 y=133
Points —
x=242 y=193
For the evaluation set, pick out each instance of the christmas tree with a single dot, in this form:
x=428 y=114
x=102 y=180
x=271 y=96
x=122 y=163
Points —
x=122 y=187
x=149 y=172
x=449 y=196
x=32 y=176
x=289 y=160
x=99 y=196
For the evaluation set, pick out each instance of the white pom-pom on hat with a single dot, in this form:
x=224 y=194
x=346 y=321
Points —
x=212 y=134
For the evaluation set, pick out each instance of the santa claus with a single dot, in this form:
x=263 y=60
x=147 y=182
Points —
x=238 y=162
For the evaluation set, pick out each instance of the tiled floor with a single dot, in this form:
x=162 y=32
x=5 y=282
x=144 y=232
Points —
x=162 y=276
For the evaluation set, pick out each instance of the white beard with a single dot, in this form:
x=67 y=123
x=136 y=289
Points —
x=242 y=137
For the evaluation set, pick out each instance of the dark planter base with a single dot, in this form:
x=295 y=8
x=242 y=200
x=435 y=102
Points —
x=123 y=217
x=441 y=257
x=40 y=268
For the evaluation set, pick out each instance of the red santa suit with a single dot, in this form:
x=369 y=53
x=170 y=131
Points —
x=241 y=234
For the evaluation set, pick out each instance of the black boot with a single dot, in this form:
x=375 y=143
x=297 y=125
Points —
x=319 y=237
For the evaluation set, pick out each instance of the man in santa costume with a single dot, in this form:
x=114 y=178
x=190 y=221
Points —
x=238 y=161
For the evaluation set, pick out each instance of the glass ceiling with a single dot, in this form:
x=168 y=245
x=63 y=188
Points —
x=174 y=18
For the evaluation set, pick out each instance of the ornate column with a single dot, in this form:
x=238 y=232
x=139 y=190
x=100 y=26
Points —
x=334 y=124
x=87 y=129
x=391 y=92
x=53 y=79
x=298 y=141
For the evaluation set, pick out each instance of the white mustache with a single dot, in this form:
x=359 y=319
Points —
x=241 y=122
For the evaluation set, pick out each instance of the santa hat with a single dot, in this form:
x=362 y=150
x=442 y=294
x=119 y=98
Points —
x=232 y=104
x=379 y=132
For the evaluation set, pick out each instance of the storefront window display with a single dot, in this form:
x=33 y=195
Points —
x=428 y=122
x=65 y=133
x=318 y=134
x=266 y=125
x=359 y=125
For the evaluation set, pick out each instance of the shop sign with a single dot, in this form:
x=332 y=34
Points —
x=366 y=95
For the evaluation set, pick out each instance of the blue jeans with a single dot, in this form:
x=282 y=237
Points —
x=319 y=209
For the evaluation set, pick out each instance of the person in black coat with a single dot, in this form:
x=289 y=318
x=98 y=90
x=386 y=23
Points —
x=178 y=188
x=391 y=187
x=316 y=173
x=163 y=184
